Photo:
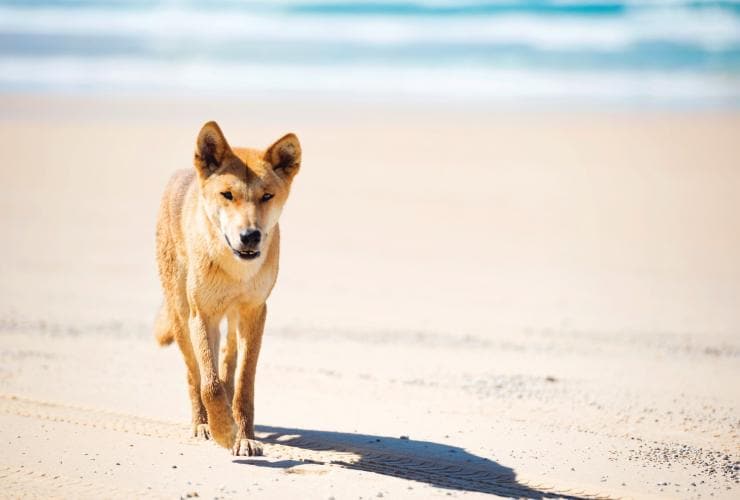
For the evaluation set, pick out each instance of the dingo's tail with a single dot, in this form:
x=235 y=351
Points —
x=163 y=328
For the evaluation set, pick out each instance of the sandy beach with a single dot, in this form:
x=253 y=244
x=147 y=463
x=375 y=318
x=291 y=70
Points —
x=471 y=302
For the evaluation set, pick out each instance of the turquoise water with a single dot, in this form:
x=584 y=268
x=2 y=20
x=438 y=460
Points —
x=662 y=51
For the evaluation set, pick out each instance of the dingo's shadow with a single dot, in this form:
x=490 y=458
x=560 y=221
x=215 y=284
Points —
x=432 y=463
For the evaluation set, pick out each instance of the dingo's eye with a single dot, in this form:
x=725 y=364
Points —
x=227 y=195
x=266 y=197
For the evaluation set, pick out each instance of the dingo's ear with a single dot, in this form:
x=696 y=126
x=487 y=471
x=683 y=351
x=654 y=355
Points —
x=285 y=155
x=211 y=149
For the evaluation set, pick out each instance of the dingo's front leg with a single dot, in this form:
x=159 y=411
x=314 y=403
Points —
x=200 y=419
x=251 y=325
x=204 y=336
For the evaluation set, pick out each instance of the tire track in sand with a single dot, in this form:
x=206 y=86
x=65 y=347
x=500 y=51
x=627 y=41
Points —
x=309 y=447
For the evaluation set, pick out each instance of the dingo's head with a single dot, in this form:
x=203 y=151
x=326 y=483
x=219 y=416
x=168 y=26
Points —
x=244 y=190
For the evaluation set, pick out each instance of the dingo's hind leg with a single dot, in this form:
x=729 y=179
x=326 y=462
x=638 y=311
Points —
x=228 y=355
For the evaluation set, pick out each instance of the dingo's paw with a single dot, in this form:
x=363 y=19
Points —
x=223 y=432
x=247 y=448
x=201 y=431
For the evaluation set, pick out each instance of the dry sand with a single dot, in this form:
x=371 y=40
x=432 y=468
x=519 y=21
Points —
x=471 y=302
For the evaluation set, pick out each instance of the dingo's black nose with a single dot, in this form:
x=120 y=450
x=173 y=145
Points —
x=250 y=236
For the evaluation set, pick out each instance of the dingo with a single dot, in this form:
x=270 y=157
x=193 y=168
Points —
x=217 y=251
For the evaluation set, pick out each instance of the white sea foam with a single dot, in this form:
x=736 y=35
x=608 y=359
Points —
x=659 y=50
x=463 y=84
x=706 y=28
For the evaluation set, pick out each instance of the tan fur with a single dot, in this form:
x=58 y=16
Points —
x=208 y=272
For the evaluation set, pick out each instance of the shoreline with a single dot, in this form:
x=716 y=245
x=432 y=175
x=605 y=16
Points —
x=322 y=108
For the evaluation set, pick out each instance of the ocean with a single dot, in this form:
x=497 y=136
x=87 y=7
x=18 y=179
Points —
x=667 y=52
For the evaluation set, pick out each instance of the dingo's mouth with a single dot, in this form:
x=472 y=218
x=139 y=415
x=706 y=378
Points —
x=247 y=254
x=243 y=254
